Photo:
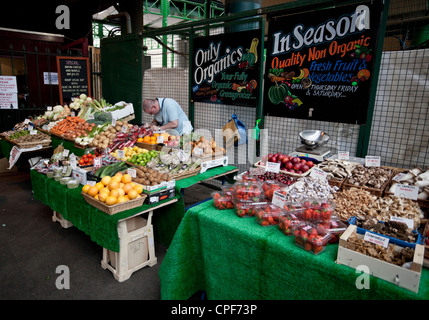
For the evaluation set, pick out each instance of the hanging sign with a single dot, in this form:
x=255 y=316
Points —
x=225 y=68
x=73 y=77
x=320 y=64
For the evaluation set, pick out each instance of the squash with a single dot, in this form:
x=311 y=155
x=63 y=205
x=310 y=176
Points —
x=278 y=93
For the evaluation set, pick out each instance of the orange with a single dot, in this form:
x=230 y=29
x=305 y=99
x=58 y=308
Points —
x=118 y=174
x=121 y=192
x=106 y=179
x=155 y=135
x=116 y=178
x=140 y=140
x=92 y=191
x=111 y=200
x=102 y=196
x=122 y=199
x=146 y=139
x=138 y=188
x=113 y=185
x=85 y=188
x=114 y=193
x=132 y=194
x=126 y=178
x=99 y=185
x=105 y=189
x=128 y=187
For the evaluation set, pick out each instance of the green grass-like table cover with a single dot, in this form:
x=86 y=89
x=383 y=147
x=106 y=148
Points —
x=102 y=227
x=236 y=258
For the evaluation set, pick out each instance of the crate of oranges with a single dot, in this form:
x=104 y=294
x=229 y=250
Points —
x=149 y=142
x=114 y=194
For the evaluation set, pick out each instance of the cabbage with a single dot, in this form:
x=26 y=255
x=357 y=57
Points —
x=58 y=109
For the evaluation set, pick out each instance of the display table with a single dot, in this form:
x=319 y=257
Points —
x=236 y=258
x=102 y=227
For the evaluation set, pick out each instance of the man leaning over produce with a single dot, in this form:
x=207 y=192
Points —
x=168 y=115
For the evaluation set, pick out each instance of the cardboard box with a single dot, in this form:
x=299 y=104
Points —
x=401 y=276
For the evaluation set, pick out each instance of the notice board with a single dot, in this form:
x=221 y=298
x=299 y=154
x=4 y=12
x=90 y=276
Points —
x=73 y=77
x=320 y=64
x=225 y=68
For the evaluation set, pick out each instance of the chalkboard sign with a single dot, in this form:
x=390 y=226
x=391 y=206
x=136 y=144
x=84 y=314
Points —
x=226 y=68
x=73 y=77
x=320 y=65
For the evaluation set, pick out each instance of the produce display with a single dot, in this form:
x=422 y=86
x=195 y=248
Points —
x=371 y=177
x=337 y=169
x=114 y=189
x=413 y=177
x=72 y=128
x=149 y=177
x=141 y=157
x=268 y=214
x=291 y=164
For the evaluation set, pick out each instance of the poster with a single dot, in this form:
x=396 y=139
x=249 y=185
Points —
x=225 y=68
x=320 y=64
x=8 y=92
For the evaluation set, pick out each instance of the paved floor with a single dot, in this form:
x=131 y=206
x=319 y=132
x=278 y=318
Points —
x=32 y=247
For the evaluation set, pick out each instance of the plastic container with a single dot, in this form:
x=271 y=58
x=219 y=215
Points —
x=336 y=228
x=228 y=190
x=221 y=201
x=50 y=174
x=289 y=221
x=246 y=209
x=65 y=180
x=270 y=186
x=268 y=214
x=311 y=238
x=248 y=191
x=249 y=178
x=316 y=210
x=72 y=184
x=58 y=176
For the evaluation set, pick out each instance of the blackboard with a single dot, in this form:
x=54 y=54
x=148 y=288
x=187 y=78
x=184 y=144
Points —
x=320 y=65
x=73 y=77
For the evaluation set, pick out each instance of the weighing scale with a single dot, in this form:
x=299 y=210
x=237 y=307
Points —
x=313 y=145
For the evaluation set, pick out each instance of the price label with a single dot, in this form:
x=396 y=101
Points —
x=318 y=173
x=399 y=176
x=182 y=156
x=113 y=122
x=65 y=153
x=124 y=129
x=372 y=161
x=408 y=222
x=91 y=117
x=160 y=139
x=26 y=121
x=376 y=239
x=97 y=162
x=49 y=108
x=30 y=128
x=272 y=167
x=64 y=169
x=73 y=163
x=33 y=132
x=198 y=151
x=343 y=155
x=406 y=191
x=121 y=154
x=91 y=182
x=131 y=172
x=73 y=114
x=279 y=199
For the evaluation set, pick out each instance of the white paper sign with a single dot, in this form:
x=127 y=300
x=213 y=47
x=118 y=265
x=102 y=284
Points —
x=279 y=199
x=318 y=173
x=372 y=161
x=160 y=139
x=198 y=151
x=376 y=239
x=14 y=156
x=121 y=154
x=66 y=153
x=131 y=172
x=406 y=191
x=272 y=167
x=97 y=162
x=8 y=84
x=50 y=78
x=343 y=155
x=408 y=222
x=8 y=99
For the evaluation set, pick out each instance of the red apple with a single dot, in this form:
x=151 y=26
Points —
x=305 y=168
x=295 y=159
x=310 y=164
x=289 y=165
x=297 y=166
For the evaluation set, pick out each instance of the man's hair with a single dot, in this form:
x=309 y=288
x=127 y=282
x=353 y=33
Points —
x=148 y=103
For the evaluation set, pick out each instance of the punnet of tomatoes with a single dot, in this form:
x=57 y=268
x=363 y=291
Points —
x=268 y=214
x=87 y=160
x=312 y=238
x=221 y=201
x=245 y=209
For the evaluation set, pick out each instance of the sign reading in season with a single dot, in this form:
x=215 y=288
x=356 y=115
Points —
x=73 y=77
x=320 y=64
x=225 y=68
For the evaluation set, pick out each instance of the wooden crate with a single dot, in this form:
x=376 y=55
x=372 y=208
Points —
x=376 y=192
x=402 y=277
x=136 y=248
